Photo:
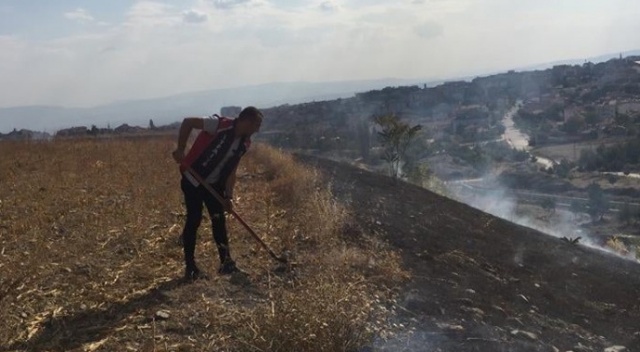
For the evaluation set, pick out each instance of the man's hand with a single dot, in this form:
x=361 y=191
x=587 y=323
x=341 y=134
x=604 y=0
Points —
x=178 y=155
x=228 y=205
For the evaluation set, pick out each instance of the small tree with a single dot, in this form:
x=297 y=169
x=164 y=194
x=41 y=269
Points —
x=576 y=207
x=152 y=126
x=364 y=140
x=395 y=136
x=626 y=214
x=598 y=203
x=573 y=125
x=591 y=118
x=548 y=204
x=563 y=169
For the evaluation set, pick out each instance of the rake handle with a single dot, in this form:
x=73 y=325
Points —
x=235 y=215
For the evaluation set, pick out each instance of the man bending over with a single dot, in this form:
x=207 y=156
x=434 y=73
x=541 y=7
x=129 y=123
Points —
x=214 y=156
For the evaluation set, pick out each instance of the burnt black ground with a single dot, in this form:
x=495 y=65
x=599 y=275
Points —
x=480 y=283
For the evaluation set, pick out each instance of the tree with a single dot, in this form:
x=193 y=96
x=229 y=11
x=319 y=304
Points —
x=573 y=125
x=598 y=202
x=395 y=136
x=622 y=119
x=364 y=140
x=591 y=118
x=563 y=169
x=151 y=125
x=548 y=204
x=576 y=207
x=626 y=213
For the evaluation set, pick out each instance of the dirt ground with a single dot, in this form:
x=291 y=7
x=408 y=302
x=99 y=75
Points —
x=90 y=260
x=480 y=283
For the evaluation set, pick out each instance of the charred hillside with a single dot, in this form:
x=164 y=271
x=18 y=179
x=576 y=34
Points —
x=480 y=283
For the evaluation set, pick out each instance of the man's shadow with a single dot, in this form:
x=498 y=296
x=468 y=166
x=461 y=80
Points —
x=72 y=331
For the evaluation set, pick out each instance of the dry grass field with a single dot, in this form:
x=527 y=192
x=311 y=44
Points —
x=88 y=257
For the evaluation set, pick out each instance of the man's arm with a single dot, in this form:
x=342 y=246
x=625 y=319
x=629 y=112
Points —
x=188 y=124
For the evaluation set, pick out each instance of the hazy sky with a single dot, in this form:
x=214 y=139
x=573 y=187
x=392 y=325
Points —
x=83 y=53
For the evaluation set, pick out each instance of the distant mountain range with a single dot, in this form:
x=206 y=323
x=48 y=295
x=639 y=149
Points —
x=173 y=108
x=165 y=110
x=595 y=59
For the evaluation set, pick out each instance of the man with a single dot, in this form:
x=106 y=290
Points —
x=214 y=156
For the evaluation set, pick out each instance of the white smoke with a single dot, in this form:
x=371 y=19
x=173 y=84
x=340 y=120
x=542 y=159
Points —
x=487 y=195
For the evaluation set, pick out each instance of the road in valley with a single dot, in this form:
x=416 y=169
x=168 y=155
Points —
x=520 y=141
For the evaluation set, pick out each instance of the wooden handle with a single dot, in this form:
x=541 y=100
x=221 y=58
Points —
x=235 y=215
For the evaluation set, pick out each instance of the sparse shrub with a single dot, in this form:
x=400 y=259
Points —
x=616 y=244
x=320 y=315
x=572 y=240
x=332 y=310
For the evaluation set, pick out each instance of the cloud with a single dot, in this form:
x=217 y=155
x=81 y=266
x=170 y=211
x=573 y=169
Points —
x=141 y=54
x=151 y=14
x=194 y=16
x=107 y=49
x=229 y=4
x=10 y=53
x=449 y=6
x=428 y=30
x=80 y=15
x=329 y=6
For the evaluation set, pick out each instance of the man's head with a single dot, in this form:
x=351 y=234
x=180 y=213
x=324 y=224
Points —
x=249 y=121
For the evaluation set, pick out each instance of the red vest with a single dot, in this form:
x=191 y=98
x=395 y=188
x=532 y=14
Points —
x=212 y=155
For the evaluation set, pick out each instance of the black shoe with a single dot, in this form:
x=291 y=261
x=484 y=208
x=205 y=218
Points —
x=193 y=274
x=228 y=267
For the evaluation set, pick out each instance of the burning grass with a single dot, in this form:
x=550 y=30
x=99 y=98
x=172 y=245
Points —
x=88 y=235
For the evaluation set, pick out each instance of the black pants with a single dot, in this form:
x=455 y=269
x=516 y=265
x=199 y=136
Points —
x=194 y=197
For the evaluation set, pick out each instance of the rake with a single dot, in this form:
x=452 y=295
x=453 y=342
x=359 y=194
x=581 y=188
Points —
x=215 y=194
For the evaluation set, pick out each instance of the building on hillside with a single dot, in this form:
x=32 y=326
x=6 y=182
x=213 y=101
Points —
x=629 y=107
x=571 y=111
x=616 y=130
x=453 y=90
x=23 y=135
x=73 y=132
x=125 y=128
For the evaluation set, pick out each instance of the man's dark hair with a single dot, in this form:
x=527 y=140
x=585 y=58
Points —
x=250 y=113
